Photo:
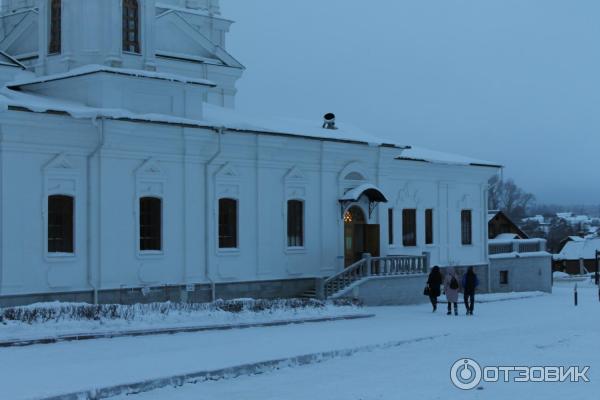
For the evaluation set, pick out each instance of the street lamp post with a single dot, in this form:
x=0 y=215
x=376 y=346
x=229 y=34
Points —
x=597 y=273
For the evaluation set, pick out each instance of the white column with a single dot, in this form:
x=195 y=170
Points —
x=148 y=21
x=43 y=26
x=113 y=31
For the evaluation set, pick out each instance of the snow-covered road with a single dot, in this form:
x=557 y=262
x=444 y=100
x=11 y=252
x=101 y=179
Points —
x=541 y=330
x=538 y=331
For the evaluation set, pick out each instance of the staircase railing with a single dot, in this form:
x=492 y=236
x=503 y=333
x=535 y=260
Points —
x=374 y=266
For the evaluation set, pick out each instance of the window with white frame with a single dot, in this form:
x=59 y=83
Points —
x=429 y=226
x=390 y=226
x=466 y=219
x=150 y=224
x=295 y=223
x=131 y=26
x=228 y=223
x=409 y=227
x=54 y=45
x=61 y=218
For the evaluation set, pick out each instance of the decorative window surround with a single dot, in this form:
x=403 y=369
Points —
x=227 y=186
x=61 y=178
x=295 y=188
x=150 y=181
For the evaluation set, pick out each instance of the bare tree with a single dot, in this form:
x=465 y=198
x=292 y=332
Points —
x=506 y=196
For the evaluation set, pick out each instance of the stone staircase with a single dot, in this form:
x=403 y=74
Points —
x=309 y=294
x=370 y=267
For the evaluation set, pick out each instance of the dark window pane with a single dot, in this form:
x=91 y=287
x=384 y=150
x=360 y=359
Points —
x=390 y=226
x=228 y=224
x=131 y=28
x=295 y=223
x=150 y=224
x=409 y=227
x=60 y=224
x=466 y=227
x=429 y=226
x=504 y=277
x=55 y=27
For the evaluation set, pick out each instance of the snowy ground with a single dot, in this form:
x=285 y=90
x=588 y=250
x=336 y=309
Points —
x=533 y=331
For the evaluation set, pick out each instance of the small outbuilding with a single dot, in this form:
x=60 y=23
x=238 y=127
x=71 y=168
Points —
x=577 y=256
x=500 y=224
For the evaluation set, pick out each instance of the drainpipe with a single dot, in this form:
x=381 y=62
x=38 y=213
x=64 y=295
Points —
x=207 y=233
x=1 y=213
x=100 y=126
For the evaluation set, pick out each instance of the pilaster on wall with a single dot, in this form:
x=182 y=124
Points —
x=444 y=221
x=43 y=29
x=112 y=20
x=148 y=16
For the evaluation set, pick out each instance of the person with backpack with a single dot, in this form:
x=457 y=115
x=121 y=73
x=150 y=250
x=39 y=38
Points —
x=469 y=284
x=451 y=288
x=434 y=281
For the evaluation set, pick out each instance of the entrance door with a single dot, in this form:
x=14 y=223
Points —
x=359 y=237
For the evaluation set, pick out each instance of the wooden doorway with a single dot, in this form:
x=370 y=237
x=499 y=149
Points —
x=359 y=236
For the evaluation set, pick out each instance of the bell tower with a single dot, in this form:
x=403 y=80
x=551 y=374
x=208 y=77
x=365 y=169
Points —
x=117 y=33
x=180 y=37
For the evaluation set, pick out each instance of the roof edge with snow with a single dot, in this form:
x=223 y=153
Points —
x=96 y=68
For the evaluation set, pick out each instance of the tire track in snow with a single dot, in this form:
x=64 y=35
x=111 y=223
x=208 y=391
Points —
x=256 y=368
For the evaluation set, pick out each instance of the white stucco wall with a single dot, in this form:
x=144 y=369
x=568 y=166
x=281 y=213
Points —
x=43 y=154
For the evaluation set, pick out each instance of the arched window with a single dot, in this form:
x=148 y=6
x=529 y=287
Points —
x=60 y=224
x=228 y=224
x=150 y=224
x=131 y=26
x=295 y=223
x=354 y=176
x=54 y=46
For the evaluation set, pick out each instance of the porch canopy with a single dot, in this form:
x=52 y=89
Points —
x=372 y=192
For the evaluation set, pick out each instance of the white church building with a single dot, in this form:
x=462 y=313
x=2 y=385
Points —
x=127 y=175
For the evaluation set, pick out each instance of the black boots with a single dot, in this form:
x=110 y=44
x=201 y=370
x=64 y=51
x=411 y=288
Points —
x=450 y=309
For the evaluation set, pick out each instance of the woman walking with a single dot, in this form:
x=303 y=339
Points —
x=451 y=287
x=434 y=281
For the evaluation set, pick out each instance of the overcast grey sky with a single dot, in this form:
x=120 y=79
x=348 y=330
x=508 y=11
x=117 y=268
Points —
x=511 y=81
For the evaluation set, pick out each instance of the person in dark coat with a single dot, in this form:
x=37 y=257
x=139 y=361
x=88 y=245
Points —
x=469 y=284
x=434 y=282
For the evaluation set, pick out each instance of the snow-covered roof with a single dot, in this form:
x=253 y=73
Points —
x=426 y=155
x=234 y=119
x=564 y=215
x=193 y=11
x=95 y=68
x=492 y=214
x=214 y=117
x=574 y=250
x=372 y=192
x=505 y=236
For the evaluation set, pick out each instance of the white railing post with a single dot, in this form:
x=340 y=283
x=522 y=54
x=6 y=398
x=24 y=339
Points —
x=426 y=261
x=542 y=244
x=515 y=246
x=367 y=258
